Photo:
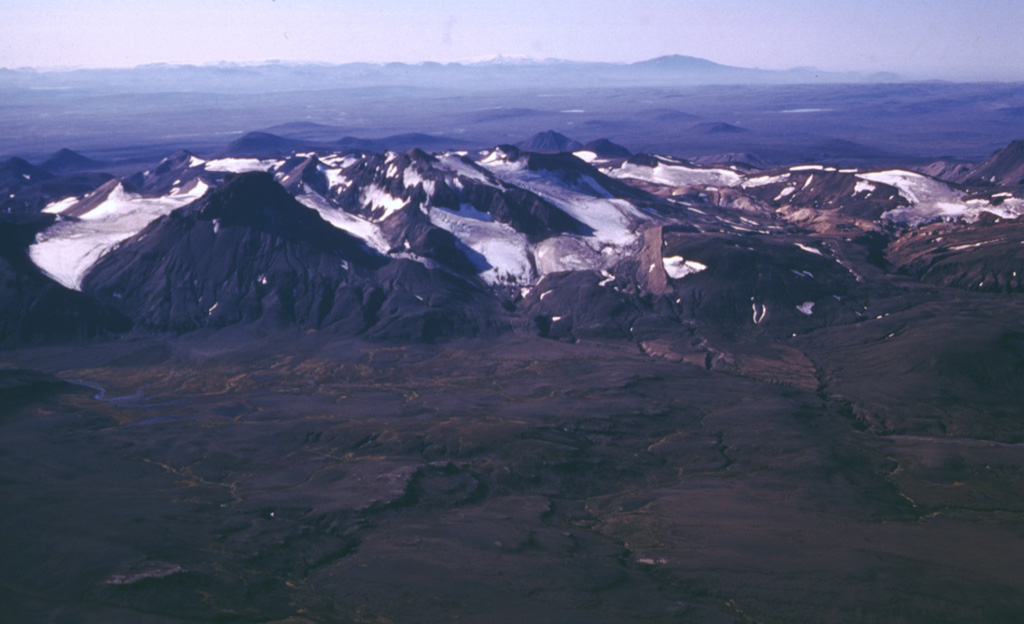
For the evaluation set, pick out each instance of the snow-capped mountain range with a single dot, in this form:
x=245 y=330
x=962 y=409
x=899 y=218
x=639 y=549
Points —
x=464 y=242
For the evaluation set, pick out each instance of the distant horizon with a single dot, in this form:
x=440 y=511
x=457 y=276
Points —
x=956 y=40
x=499 y=59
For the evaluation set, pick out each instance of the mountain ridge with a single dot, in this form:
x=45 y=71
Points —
x=279 y=75
x=193 y=243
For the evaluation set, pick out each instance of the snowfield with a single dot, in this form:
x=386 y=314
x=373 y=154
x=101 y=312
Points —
x=240 y=165
x=355 y=225
x=614 y=221
x=672 y=173
x=934 y=200
x=69 y=248
x=506 y=251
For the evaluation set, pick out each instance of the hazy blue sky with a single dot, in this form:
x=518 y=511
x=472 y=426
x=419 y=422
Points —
x=959 y=39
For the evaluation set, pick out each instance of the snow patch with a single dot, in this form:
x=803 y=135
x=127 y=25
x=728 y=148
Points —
x=806 y=308
x=58 y=207
x=765 y=180
x=678 y=267
x=355 y=225
x=863 y=186
x=759 y=312
x=809 y=249
x=336 y=180
x=786 y=192
x=375 y=198
x=240 y=165
x=585 y=155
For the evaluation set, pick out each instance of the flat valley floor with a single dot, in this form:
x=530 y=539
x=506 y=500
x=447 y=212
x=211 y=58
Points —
x=300 y=480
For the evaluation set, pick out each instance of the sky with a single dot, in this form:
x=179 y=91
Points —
x=945 y=39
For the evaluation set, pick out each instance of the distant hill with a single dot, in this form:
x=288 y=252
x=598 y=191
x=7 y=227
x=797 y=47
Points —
x=717 y=127
x=549 y=142
x=67 y=161
x=264 y=145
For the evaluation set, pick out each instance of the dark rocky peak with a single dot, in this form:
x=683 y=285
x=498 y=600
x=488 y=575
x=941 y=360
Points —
x=419 y=157
x=562 y=162
x=264 y=145
x=245 y=251
x=950 y=171
x=578 y=175
x=550 y=142
x=178 y=161
x=507 y=152
x=16 y=172
x=303 y=170
x=66 y=161
x=605 y=148
x=175 y=171
x=1004 y=168
x=257 y=201
x=1016 y=147
x=97 y=197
